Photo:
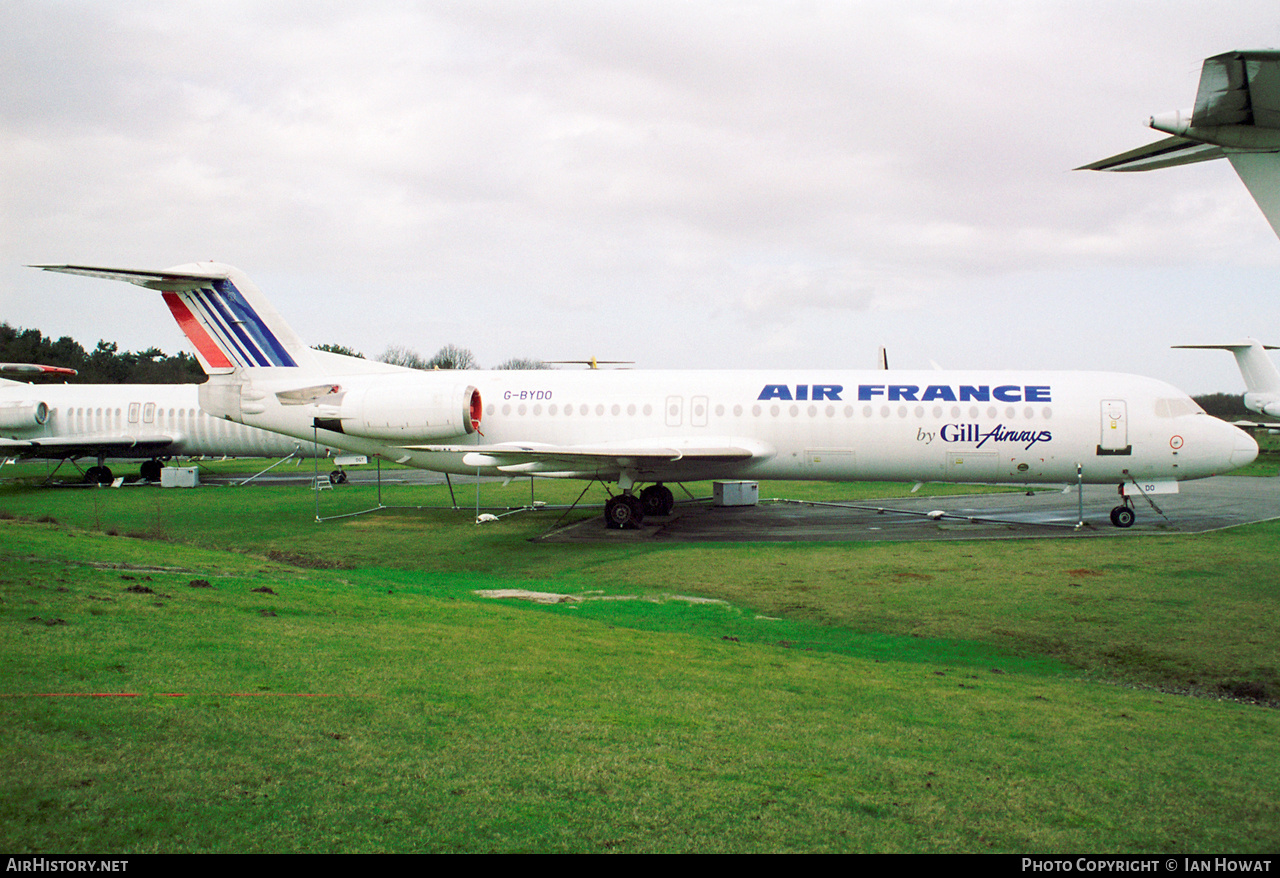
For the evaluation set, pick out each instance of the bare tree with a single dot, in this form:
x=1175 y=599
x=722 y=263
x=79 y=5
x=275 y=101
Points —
x=522 y=363
x=452 y=357
x=399 y=355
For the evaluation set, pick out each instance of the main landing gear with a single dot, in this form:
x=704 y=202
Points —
x=98 y=475
x=150 y=470
x=625 y=511
x=657 y=500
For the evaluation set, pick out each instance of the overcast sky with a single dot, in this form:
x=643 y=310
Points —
x=696 y=184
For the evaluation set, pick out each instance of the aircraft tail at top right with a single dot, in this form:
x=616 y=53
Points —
x=1236 y=116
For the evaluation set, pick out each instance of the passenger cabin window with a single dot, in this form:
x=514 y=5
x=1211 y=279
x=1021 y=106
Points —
x=135 y=410
x=149 y=413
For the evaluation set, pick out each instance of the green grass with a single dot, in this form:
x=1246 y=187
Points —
x=836 y=697
x=1268 y=461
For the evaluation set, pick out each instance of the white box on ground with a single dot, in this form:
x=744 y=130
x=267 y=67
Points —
x=179 y=476
x=735 y=493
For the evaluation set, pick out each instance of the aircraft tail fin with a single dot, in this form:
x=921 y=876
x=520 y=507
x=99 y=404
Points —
x=229 y=321
x=1260 y=173
x=1260 y=373
x=222 y=313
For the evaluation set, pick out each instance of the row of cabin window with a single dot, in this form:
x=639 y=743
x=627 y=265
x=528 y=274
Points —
x=148 y=413
x=697 y=412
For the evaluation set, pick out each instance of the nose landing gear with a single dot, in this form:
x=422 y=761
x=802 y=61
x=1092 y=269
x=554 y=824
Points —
x=1123 y=516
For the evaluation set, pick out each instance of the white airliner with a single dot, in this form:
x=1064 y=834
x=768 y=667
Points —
x=1261 y=378
x=636 y=427
x=1236 y=117
x=150 y=422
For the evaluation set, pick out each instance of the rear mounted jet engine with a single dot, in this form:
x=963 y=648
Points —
x=16 y=415
x=405 y=408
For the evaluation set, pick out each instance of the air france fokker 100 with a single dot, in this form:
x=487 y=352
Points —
x=635 y=428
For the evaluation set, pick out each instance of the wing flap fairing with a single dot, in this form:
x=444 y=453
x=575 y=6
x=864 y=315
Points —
x=560 y=460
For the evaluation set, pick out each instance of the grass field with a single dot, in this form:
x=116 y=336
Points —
x=1049 y=696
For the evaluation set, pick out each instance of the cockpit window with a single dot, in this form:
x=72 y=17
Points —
x=1176 y=407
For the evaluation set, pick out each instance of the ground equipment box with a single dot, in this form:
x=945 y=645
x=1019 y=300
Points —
x=735 y=493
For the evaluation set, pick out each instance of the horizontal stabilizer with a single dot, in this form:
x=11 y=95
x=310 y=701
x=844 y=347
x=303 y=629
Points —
x=1233 y=346
x=1161 y=154
x=152 y=280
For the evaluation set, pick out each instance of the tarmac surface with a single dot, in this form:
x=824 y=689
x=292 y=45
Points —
x=1199 y=507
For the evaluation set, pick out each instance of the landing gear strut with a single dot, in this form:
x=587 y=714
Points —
x=1123 y=515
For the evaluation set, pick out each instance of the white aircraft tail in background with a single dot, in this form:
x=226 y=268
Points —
x=1236 y=116
x=1261 y=378
x=649 y=427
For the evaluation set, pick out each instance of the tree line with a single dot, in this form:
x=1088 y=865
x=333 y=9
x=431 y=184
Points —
x=107 y=364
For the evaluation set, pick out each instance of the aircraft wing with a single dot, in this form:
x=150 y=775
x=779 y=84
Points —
x=516 y=457
x=85 y=446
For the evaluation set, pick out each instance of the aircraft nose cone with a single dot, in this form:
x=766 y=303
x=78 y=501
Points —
x=1245 y=450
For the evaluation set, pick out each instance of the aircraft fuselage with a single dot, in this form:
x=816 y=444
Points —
x=1024 y=427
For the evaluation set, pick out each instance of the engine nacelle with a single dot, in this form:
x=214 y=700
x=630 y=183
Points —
x=414 y=407
x=17 y=415
x=1244 y=137
x=1264 y=403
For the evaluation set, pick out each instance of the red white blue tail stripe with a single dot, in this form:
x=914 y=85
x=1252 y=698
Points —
x=225 y=328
